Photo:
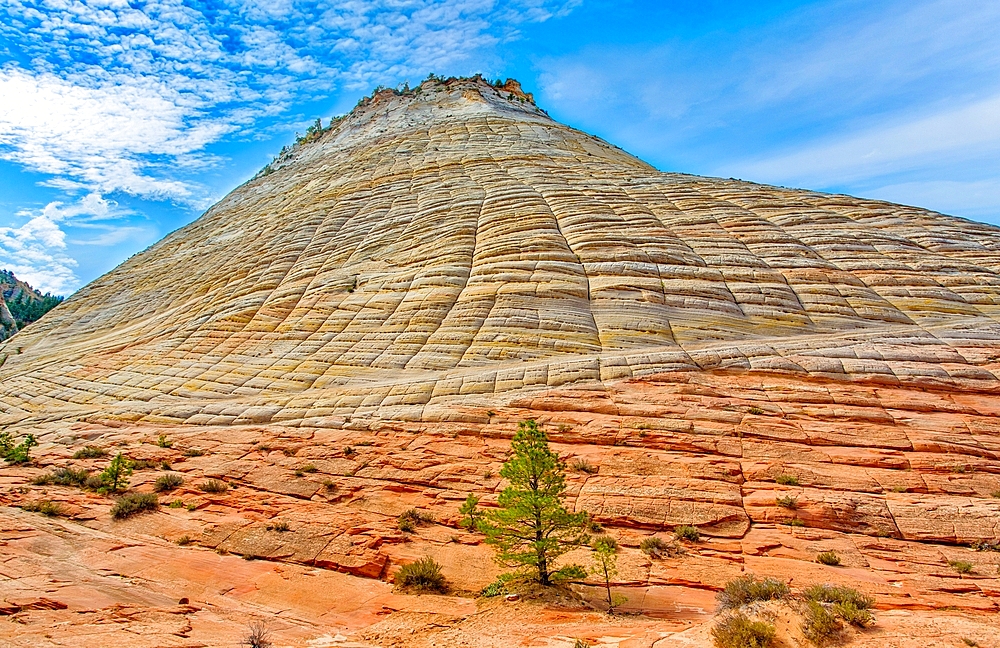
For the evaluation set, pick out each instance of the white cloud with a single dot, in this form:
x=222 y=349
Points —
x=960 y=133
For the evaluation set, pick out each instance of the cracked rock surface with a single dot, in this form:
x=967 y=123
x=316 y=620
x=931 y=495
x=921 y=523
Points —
x=357 y=331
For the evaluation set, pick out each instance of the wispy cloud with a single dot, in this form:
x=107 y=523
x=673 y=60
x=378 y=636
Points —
x=105 y=96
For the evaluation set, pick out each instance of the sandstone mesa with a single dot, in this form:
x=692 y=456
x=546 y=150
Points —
x=443 y=263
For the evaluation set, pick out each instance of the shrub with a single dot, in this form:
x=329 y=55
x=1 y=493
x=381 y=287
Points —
x=164 y=465
x=747 y=589
x=257 y=636
x=423 y=575
x=280 y=527
x=133 y=503
x=581 y=643
x=583 y=466
x=857 y=616
x=657 y=548
x=686 y=532
x=17 y=454
x=329 y=485
x=348 y=451
x=309 y=468
x=142 y=464
x=176 y=504
x=45 y=507
x=838 y=594
x=167 y=482
x=794 y=522
x=738 y=631
x=408 y=520
x=820 y=625
x=961 y=566
x=70 y=477
x=194 y=452
x=164 y=442
x=213 y=486
x=788 y=502
x=469 y=512
x=787 y=480
x=90 y=452
x=829 y=558
x=985 y=545
x=496 y=588
x=183 y=540
x=115 y=476
x=41 y=480
x=756 y=411
x=94 y=482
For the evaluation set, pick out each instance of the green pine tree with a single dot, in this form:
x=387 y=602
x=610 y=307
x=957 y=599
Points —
x=470 y=512
x=606 y=566
x=531 y=527
x=115 y=476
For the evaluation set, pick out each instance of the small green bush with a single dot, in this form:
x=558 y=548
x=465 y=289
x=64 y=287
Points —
x=747 y=589
x=408 y=520
x=94 y=482
x=739 y=631
x=839 y=594
x=756 y=411
x=423 y=575
x=820 y=625
x=164 y=442
x=850 y=612
x=183 y=540
x=583 y=466
x=829 y=558
x=167 y=482
x=787 y=480
x=194 y=452
x=961 y=566
x=45 y=507
x=17 y=454
x=134 y=503
x=309 y=468
x=686 y=532
x=213 y=486
x=280 y=527
x=176 y=504
x=787 y=502
x=496 y=588
x=657 y=548
x=90 y=452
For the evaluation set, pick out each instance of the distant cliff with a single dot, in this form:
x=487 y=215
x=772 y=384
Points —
x=20 y=304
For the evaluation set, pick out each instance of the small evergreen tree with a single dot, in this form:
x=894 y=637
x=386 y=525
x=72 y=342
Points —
x=606 y=566
x=531 y=527
x=115 y=476
x=19 y=453
x=470 y=511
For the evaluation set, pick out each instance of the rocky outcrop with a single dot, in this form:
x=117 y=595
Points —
x=360 y=328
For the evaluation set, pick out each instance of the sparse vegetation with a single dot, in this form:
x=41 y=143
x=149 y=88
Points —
x=309 y=468
x=90 y=452
x=606 y=566
x=19 y=453
x=737 y=630
x=408 y=520
x=583 y=466
x=961 y=566
x=176 y=504
x=115 y=476
x=828 y=558
x=329 y=485
x=257 y=636
x=531 y=527
x=581 y=643
x=469 y=511
x=280 y=526
x=657 y=548
x=348 y=451
x=132 y=504
x=167 y=482
x=194 y=452
x=985 y=545
x=849 y=604
x=62 y=477
x=496 y=588
x=213 y=486
x=47 y=508
x=94 y=482
x=787 y=502
x=164 y=442
x=747 y=589
x=423 y=575
x=183 y=541
x=756 y=411
x=689 y=533
x=820 y=626
x=787 y=480
x=793 y=522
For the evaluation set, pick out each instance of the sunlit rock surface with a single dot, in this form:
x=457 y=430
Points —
x=383 y=304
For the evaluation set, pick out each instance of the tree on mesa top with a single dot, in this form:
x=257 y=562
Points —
x=531 y=527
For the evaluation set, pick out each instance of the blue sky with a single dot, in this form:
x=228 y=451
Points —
x=121 y=121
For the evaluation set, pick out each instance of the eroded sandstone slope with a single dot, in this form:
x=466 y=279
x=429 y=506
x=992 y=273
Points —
x=357 y=331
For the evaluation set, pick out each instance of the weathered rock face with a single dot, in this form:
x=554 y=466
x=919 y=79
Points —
x=358 y=330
